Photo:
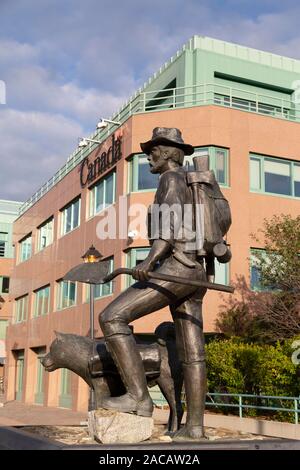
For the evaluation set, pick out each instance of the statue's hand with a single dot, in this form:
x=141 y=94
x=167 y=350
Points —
x=140 y=272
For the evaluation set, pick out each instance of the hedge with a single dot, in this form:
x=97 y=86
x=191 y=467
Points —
x=234 y=366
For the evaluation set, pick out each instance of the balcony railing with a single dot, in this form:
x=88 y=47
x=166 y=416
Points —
x=173 y=98
x=287 y=407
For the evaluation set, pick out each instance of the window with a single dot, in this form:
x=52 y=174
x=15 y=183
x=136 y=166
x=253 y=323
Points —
x=134 y=257
x=141 y=179
x=218 y=162
x=19 y=374
x=25 y=248
x=221 y=273
x=102 y=194
x=3 y=244
x=274 y=176
x=66 y=294
x=256 y=254
x=4 y=285
x=21 y=309
x=70 y=217
x=103 y=289
x=41 y=301
x=45 y=234
x=40 y=375
x=255 y=275
x=137 y=255
x=65 y=397
x=139 y=176
x=3 y=326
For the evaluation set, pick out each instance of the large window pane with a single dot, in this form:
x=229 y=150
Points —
x=75 y=214
x=65 y=397
x=21 y=309
x=146 y=179
x=72 y=292
x=102 y=194
x=70 y=217
x=19 y=373
x=277 y=177
x=99 y=191
x=221 y=272
x=25 y=248
x=255 y=180
x=188 y=163
x=109 y=190
x=274 y=175
x=135 y=256
x=140 y=255
x=66 y=294
x=42 y=299
x=218 y=161
x=45 y=234
x=221 y=166
x=103 y=289
x=255 y=278
x=297 y=180
x=256 y=255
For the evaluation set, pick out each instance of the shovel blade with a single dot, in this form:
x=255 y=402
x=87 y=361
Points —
x=90 y=273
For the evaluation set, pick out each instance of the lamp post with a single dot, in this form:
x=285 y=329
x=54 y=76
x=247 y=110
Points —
x=92 y=256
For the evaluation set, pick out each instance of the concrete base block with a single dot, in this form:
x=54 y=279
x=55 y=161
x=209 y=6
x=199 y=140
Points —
x=113 y=427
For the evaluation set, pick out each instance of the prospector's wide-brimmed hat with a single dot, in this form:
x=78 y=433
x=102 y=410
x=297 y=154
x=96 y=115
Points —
x=167 y=136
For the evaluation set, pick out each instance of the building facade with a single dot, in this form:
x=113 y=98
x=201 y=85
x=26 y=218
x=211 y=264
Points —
x=8 y=213
x=237 y=104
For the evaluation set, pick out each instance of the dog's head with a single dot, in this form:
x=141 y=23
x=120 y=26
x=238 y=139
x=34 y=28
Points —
x=56 y=357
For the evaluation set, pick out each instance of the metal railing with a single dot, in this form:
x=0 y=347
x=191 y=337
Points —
x=174 y=98
x=242 y=402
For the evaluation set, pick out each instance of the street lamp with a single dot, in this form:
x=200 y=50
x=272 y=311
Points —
x=104 y=123
x=92 y=256
x=84 y=142
x=88 y=272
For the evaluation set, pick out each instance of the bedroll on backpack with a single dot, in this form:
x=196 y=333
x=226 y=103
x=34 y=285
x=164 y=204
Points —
x=211 y=212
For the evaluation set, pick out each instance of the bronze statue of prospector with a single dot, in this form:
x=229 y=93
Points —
x=168 y=256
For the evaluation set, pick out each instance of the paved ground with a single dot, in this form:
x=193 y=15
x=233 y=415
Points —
x=14 y=413
x=45 y=422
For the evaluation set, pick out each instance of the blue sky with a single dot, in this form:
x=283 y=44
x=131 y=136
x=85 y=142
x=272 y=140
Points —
x=67 y=63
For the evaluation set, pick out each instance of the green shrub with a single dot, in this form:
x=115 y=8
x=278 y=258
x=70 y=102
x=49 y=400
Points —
x=234 y=366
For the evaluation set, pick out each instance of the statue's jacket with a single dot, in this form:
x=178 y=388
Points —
x=171 y=216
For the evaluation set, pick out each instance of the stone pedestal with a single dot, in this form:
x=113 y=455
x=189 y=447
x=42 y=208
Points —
x=113 y=427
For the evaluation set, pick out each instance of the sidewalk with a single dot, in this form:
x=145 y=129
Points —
x=15 y=413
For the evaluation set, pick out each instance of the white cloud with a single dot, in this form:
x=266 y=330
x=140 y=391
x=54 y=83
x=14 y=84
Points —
x=33 y=146
x=65 y=64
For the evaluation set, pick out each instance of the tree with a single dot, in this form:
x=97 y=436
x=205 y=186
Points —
x=279 y=262
x=273 y=313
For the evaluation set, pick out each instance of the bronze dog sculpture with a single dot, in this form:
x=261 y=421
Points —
x=94 y=364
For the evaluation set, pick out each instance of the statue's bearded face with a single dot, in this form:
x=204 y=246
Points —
x=158 y=158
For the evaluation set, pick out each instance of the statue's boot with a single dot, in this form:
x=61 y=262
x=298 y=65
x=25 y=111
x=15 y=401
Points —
x=195 y=392
x=130 y=366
